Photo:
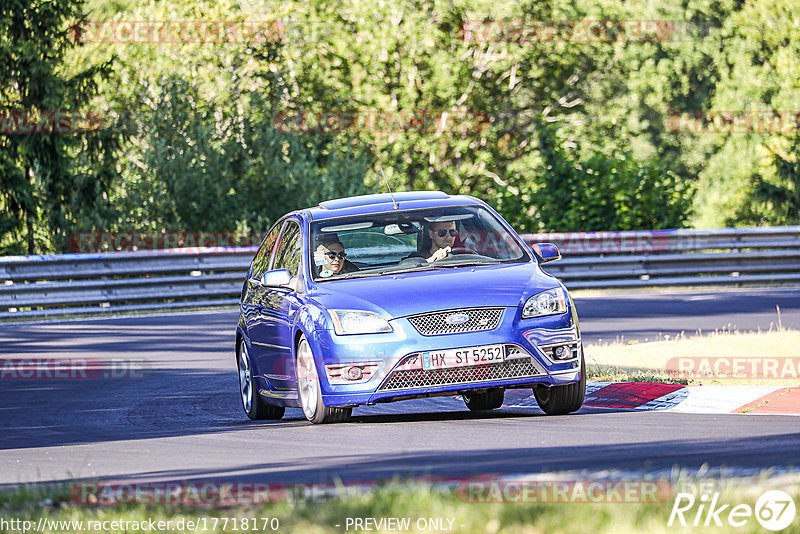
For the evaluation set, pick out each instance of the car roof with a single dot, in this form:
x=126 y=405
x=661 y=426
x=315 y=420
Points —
x=385 y=202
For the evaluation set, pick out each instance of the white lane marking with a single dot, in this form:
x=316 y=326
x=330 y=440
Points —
x=721 y=399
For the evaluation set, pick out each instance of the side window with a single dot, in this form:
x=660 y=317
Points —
x=261 y=261
x=288 y=255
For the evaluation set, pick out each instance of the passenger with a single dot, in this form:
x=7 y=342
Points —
x=443 y=236
x=330 y=257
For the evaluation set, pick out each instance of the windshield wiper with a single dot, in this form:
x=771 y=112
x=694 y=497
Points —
x=424 y=267
x=417 y=268
x=356 y=274
x=465 y=264
x=361 y=274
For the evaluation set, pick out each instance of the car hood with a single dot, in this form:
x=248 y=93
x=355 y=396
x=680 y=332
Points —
x=419 y=292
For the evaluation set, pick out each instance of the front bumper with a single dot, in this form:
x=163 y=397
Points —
x=396 y=375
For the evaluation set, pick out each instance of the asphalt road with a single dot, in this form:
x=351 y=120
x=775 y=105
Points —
x=168 y=409
x=646 y=315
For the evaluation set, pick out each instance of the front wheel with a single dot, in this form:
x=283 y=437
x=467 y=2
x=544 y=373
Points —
x=310 y=391
x=560 y=400
x=488 y=400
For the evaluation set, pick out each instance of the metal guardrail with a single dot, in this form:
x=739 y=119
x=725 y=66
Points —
x=726 y=256
x=73 y=284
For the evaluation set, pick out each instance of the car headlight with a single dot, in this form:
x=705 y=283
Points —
x=346 y=322
x=550 y=302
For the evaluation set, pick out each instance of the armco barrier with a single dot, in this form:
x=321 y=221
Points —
x=726 y=256
x=70 y=284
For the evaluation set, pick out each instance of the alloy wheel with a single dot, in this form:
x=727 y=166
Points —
x=307 y=379
x=245 y=377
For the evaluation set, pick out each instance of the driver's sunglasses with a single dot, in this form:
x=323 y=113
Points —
x=334 y=255
x=443 y=233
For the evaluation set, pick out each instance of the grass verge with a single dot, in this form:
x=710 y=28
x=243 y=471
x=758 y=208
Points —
x=722 y=357
x=427 y=509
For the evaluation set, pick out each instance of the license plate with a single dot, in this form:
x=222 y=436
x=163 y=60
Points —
x=445 y=359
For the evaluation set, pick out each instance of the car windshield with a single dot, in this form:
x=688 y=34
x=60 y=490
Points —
x=402 y=241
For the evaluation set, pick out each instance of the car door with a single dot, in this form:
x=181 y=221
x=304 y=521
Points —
x=254 y=295
x=275 y=310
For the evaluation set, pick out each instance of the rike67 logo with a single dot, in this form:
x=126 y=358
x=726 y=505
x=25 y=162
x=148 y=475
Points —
x=774 y=510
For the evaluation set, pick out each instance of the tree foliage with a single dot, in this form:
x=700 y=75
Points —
x=774 y=195
x=574 y=134
x=49 y=181
x=604 y=191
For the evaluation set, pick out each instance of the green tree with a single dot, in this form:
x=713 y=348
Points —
x=586 y=122
x=758 y=71
x=774 y=190
x=409 y=56
x=50 y=179
x=202 y=153
x=219 y=165
x=603 y=191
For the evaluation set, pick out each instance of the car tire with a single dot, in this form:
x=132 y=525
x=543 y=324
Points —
x=488 y=400
x=560 y=400
x=254 y=406
x=309 y=390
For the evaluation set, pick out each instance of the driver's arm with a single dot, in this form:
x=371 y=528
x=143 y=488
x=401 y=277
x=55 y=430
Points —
x=439 y=254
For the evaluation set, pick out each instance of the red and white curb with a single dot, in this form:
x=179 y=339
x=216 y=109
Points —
x=645 y=396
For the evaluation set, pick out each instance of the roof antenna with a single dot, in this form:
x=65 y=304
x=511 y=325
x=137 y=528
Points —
x=389 y=188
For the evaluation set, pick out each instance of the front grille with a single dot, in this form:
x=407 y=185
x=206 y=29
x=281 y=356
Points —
x=419 y=378
x=435 y=324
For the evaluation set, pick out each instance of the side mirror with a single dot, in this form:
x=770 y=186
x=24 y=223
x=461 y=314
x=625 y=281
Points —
x=277 y=277
x=546 y=252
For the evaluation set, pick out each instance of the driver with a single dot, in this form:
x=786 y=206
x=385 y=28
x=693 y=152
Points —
x=443 y=236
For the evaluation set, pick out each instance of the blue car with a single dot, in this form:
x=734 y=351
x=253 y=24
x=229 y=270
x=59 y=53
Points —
x=381 y=298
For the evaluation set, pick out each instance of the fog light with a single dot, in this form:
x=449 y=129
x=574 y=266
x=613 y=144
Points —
x=562 y=353
x=353 y=373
